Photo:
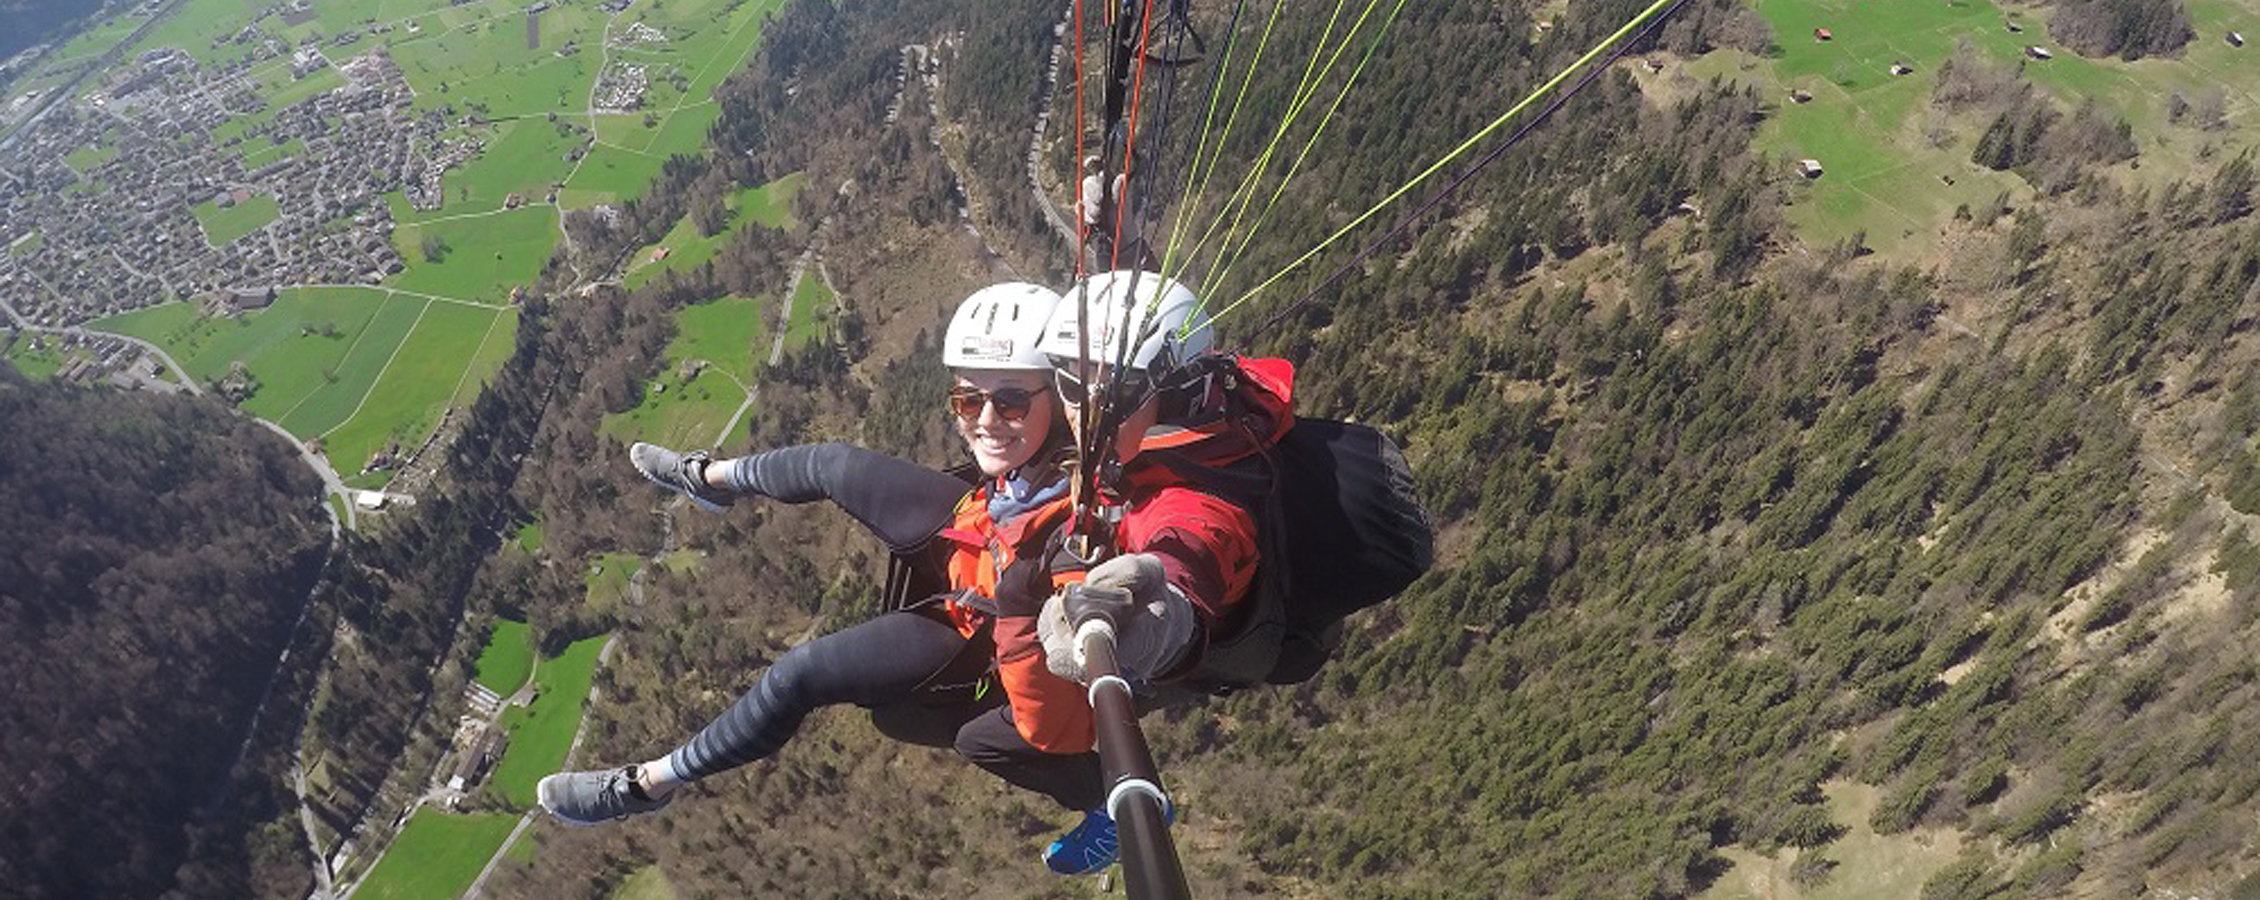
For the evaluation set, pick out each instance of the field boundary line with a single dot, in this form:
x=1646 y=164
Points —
x=364 y=332
x=363 y=403
x=496 y=319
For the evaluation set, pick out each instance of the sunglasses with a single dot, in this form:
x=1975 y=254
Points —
x=1012 y=403
x=1074 y=392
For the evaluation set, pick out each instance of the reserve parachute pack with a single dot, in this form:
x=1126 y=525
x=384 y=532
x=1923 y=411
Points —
x=1340 y=528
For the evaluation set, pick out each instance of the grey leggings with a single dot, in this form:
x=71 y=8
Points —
x=879 y=665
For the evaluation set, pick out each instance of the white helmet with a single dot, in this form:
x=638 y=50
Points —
x=998 y=328
x=1165 y=305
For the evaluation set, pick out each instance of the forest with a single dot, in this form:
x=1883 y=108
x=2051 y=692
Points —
x=162 y=555
x=1729 y=521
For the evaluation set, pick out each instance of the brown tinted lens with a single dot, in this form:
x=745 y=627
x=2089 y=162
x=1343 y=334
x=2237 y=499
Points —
x=1012 y=403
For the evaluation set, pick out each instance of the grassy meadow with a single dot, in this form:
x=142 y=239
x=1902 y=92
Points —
x=437 y=855
x=541 y=733
x=356 y=366
x=223 y=226
x=684 y=249
x=507 y=658
x=1896 y=167
x=727 y=335
x=486 y=255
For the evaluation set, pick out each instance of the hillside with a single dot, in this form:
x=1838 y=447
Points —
x=1740 y=519
x=163 y=551
x=1890 y=533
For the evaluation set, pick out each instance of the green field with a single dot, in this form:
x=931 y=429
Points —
x=530 y=536
x=525 y=157
x=359 y=367
x=453 y=349
x=812 y=308
x=507 y=659
x=1896 y=168
x=542 y=732
x=684 y=249
x=475 y=57
x=259 y=152
x=35 y=357
x=28 y=244
x=1869 y=866
x=487 y=254
x=608 y=579
x=437 y=856
x=690 y=412
x=84 y=159
x=223 y=226
x=647 y=883
x=609 y=175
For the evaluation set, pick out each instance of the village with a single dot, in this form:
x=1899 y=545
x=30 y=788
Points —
x=116 y=231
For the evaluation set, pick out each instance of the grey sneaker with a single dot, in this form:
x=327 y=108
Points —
x=683 y=473
x=591 y=798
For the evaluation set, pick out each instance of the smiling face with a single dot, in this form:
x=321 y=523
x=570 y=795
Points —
x=1001 y=443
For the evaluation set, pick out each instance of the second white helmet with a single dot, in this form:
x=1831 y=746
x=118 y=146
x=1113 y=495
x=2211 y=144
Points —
x=999 y=327
x=1163 y=315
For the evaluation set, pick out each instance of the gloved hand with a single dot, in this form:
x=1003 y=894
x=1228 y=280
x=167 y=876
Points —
x=1153 y=622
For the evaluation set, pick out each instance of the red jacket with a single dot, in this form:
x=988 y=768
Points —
x=1207 y=547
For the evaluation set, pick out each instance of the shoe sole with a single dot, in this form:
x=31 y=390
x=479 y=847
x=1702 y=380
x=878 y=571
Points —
x=648 y=475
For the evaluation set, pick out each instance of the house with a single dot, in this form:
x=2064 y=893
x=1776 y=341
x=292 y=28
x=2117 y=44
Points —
x=1800 y=96
x=369 y=499
x=2037 y=52
x=1822 y=34
x=2236 y=39
x=1810 y=168
x=2014 y=27
x=1653 y=65
x=1900 y=68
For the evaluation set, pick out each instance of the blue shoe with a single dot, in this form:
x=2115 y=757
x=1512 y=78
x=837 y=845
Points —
x=1089 y=848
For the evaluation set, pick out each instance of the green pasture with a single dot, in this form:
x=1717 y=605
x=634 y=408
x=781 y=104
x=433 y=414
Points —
x=308 y=378
x=487 y=256
x=479 y=57
x=521 y=156
x=677 y=411
x=508 y=657
x=541 y=733
x=530 y=536
x=28 y=244
x=335 y=16
x=707 y=41
x=437 y=856
x=282 y=90
x=91 y=43
x=37 y=358
x=1869 y=866
x=812 y=308
x=609 y=175
x=647 y=883
x=84 y=159
x=769 y=205
x=608 y=578
x=259 y=152
x=193 y=26
x=1895 y=167
x=440 y=365
x=223 y=226
x=683 y=561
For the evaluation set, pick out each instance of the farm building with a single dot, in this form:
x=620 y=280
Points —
x=1800 y=96
x=1810 y=168
x=1822 y=34
x=2236 y=39
x=369 y=499
x=1900 y=68
x=2038 y=52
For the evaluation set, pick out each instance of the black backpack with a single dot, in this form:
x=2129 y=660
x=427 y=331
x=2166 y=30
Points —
x=1339 y=528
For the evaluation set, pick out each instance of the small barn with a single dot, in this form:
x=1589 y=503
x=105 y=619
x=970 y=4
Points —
x=1810 y=168
x=1822 y=34
x=2039 y=52
x=2236 y=39
x=1900 y=68
x=1800 y=96
x=2014 y=27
